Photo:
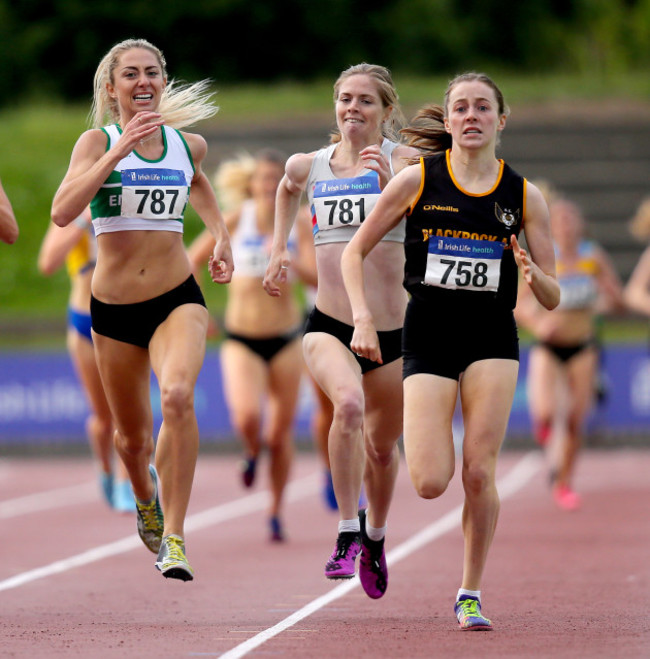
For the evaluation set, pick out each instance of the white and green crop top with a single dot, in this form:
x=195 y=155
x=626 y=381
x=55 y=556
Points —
x=340 y=205
x=146 y=195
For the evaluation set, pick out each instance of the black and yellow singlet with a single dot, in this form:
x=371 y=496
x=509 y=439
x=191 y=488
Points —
x=457 y=243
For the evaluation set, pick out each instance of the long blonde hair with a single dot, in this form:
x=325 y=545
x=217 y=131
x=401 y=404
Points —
x=181 y=104
x=232 y=179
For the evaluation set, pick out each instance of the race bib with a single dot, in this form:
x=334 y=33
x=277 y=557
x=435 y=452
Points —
x=458 y=263
x=345 y=201
x=577 y=291
x=154 y=194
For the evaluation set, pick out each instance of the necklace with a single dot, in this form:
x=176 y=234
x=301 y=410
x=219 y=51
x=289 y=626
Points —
x=150 y=137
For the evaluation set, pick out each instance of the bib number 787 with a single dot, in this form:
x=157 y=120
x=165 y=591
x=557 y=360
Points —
x=156 y=201
x=154 y=194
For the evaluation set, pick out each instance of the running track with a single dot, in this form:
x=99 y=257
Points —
x=75 y=581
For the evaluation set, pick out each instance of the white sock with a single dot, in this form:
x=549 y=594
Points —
x=471 y=593
x=349 y=525
x=374 y=533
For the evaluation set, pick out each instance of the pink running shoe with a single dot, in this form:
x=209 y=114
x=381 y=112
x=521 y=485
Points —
x=247 y=468
x=542 y=433
x=341 y=562
x=373 y=571
x=566 y=498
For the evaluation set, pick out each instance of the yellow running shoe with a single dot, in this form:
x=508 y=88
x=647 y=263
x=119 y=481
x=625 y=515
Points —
x=150 y=517
x=171 y=559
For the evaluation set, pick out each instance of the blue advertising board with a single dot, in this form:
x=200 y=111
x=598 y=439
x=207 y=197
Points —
x=42 y=402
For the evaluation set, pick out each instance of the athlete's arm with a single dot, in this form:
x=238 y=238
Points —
x=538 y=268
x=8 y=224
x=91 y=164
x=394 y=201
x=204 y=202
x=637 y=289
x=305 y=265
x=609 y=283
x=58 y=242
x=287 y=203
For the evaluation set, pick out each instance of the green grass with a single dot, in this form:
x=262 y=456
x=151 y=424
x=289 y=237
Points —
x=37 y=139
x=261 y=102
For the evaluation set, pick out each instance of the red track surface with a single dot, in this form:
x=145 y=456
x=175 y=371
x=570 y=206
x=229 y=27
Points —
x=75 y=580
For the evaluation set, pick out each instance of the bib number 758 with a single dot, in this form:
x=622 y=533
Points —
x=466 y=273
x=456 y=263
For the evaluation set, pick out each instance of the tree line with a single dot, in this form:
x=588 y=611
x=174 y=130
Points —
x=52 y=47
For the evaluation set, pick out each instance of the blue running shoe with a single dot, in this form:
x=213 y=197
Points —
x=470 y=618
x=277 y=532
x=330 y=497
x=150 y=517
x=328 y=492
x=363 y=501
x=106 y=487
x=123 y=499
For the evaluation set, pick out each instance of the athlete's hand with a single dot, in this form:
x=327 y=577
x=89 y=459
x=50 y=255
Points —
x=142 y=125
x=276 y=271
x=220 y=264
x=375 y=160
x=522 y=259
x=365 y=342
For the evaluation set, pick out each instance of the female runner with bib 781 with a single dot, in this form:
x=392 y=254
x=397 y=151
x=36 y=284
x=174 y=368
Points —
x=343 y=181
x=464 y=209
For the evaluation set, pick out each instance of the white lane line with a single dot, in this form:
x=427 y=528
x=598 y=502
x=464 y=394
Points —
x=296 y=490
x=40 y=501
x=511 y=483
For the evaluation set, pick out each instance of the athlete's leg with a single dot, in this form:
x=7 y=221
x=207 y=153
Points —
x=286 y=369
x=487 y=389
x=429 y=403
x=177 y=350
x=581 y=375
x=125 y=371
x=382 y=427
x=321 y=420
x=337 y=372
x=245 y=381
x=99 y=425
x=542 y=390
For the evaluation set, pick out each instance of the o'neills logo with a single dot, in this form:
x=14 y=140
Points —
x=438 y=207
